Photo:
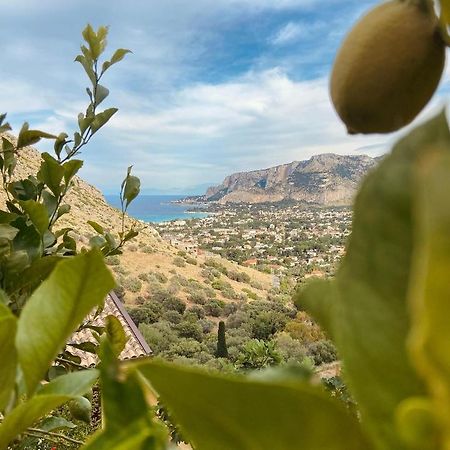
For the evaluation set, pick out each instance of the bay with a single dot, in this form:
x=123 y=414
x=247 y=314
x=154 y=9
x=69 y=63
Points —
x=157 y=208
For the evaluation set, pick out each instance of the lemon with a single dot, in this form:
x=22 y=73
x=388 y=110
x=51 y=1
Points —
x=388 y=67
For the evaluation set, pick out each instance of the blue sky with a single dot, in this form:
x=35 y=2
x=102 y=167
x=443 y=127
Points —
x=212 y=87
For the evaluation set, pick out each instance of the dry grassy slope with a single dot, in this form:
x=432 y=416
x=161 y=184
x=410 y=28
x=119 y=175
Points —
x=88 y=203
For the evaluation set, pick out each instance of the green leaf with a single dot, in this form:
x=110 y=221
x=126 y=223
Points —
x=56 y=309
x=50 y=202
x=128 y=423
x=130 y=235
x=7 y=231
x=37 y=212
x=50 y=397
x=54 y=423
x=430 y=290
x=51 y=173
x=23 y=190
x=445 y=11
x=96 y=40
x=30 y=137
x=59 y=143
x=97 y=227
x=116 y=334
x=10 y=160
x=84 y=122
x=369 y=312
x=136 y=435
x=27 y=239
x=88 y=68
x=102 y=118
x=110 y=239
x=6 y=217
x=8 y=355
x=4 y=126
x=97 y=241
x=38 y=271
x=218 y=412
x=131 y=187
x=71 y=168
x=87 y=346
x=100 y=94
x=63 y=209
x=118 y=55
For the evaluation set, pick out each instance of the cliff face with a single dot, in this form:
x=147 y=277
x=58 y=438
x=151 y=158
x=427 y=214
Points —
x=326 y=179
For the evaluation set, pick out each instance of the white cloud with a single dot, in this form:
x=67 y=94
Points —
x=289 y=33
x=208 y=131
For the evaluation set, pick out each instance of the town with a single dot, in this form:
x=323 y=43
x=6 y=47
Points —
x=283 y=239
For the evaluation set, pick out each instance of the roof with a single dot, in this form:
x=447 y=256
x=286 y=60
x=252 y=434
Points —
x=135 y=347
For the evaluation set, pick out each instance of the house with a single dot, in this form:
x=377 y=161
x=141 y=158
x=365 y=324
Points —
x=135 y=347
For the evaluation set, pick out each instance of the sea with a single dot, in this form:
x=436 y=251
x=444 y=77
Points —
x=157 y=208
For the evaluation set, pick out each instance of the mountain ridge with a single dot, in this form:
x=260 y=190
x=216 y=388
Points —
x=326 y=179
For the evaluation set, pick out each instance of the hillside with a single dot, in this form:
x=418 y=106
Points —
x=326 y=179
x=146 y=253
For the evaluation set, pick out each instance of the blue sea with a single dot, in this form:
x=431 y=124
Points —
x=156 y=208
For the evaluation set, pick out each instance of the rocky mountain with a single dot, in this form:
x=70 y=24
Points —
x=326 y=179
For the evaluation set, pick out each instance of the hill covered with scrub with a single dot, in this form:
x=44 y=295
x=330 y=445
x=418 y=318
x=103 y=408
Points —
x=177 y=298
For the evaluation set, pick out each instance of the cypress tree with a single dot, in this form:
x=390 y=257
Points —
x=222 y=351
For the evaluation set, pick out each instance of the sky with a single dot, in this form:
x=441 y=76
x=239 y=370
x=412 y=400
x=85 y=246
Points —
x=212 y=87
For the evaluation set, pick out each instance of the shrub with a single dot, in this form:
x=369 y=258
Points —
x=197 y=310
x=256 y=285
x=291 y=350
x=251 y=294
x=210 y=262
x=257 y=354
x=172 y=316
x=191 y=260
x=173 y=303
x=206 y=325
x=179 y=262
x=147 y=313
x=230 y=308
x=214 y=308
x=143 y=277
x=120 y=270
x=160 y=277
x=265 y=324
x=240 y=277
x=304 y=329
x=159 y=336
x=198 y=297
x=189 y=329
x=112 y=261
x=132 y=284
x=322 y=352
x=186 y=347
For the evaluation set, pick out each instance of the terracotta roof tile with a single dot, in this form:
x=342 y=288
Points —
x=135 y=347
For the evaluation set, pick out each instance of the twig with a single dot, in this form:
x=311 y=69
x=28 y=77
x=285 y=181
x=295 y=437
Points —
x=67 y=361
x=56 y=435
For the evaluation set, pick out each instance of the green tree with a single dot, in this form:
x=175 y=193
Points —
x=222 y=350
